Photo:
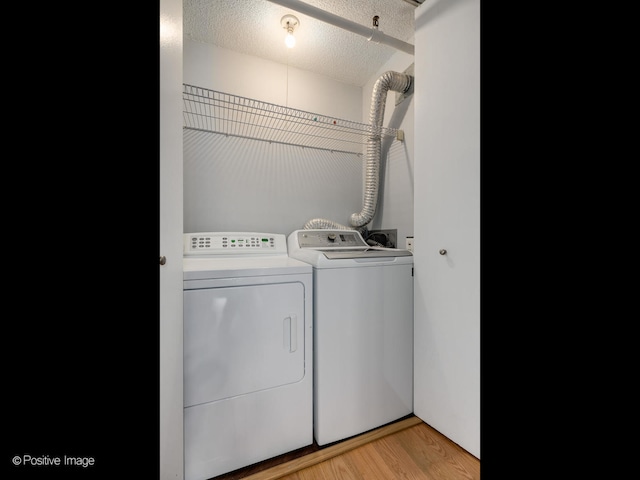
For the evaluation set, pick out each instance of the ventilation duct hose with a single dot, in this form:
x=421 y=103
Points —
x=398 y=82
x=323 y=223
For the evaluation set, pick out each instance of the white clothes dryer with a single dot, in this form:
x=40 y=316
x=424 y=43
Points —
x=363 y=331
x=248 y=364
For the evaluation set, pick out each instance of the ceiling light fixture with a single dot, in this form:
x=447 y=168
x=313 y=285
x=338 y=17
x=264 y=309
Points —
x=289 y=22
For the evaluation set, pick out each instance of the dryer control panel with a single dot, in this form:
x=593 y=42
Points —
x=234 y=243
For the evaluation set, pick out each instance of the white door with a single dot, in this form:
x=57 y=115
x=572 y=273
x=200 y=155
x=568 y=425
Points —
x=447 y=220
x=171 y=406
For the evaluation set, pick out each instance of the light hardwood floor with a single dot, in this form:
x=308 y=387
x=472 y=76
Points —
x=408 y=449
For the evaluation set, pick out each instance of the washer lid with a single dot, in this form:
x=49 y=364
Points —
x=371 y=252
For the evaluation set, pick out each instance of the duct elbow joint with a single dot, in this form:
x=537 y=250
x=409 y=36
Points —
x=358 y=220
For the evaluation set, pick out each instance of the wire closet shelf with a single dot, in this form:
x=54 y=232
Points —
x=218 y=112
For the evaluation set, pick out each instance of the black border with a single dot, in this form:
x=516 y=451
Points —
x=81 y=216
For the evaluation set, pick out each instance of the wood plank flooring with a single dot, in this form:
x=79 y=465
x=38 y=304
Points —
x=407 y=449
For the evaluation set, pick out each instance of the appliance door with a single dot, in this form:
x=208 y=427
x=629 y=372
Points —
x=242 y=339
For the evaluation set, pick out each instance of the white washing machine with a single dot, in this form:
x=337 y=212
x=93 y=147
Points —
x=363 y=331
x=248 y=364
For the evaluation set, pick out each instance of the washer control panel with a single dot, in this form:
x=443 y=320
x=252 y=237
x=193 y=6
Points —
x=234 y=243
x=330 y=238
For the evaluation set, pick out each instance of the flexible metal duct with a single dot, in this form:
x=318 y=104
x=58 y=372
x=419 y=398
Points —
x=318 y=223
x=398 y=82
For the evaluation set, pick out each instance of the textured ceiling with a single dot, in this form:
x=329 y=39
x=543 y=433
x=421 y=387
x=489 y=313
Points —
x=253 y=27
